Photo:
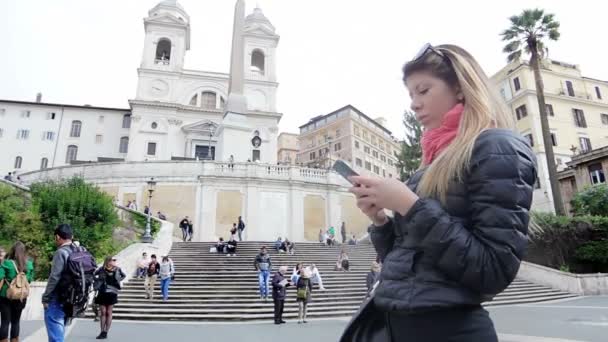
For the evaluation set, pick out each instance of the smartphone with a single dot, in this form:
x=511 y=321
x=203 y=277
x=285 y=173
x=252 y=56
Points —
x=344 y=170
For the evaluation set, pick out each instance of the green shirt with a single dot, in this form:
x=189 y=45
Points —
x=8 y=273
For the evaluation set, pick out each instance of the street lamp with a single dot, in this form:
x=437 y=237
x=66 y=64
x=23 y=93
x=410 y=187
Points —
x=147 y=238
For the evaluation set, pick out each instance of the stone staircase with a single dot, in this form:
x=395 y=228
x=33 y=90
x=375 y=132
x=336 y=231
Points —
x=212 y=287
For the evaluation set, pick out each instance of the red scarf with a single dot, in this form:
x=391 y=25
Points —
x=436 y=139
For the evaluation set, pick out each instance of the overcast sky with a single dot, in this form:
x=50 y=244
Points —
x=331 y=52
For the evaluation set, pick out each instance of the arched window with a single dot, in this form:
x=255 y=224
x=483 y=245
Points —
x=163 y=51
x=124 y=145
x=76 y=127
x=18 y=162
x=194 y=100
x=44 y=163
x=257 y=61
x=208 y=100
x=126 y=121
x=71 y=154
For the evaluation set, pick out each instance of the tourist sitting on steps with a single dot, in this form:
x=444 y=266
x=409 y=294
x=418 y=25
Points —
x=263 y=265
x=287 y=247
x=142 y=265
x=279 y=287
x=231 y=246
x=315 y=276
x=220 y=246
x=278 y=244
x=342 y=264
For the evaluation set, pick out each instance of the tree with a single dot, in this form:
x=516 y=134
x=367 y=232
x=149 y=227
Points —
x=528 y=32
x=411 y=151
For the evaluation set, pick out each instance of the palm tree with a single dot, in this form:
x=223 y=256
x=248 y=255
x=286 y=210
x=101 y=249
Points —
x=527 y=31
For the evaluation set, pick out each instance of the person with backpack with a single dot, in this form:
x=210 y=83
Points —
x=16 y=274
x=108 y=277
x=70 y=281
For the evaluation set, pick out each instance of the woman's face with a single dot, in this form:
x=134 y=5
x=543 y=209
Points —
x=431 y=98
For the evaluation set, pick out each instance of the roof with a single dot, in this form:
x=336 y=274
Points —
x=64 y=105
x=351 y=107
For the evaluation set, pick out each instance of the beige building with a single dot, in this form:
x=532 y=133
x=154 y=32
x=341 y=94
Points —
x=578 y=114
x=287 y=148
x=584 y=170
x=348 y=134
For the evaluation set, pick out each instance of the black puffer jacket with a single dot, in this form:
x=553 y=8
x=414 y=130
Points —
x=470 y=250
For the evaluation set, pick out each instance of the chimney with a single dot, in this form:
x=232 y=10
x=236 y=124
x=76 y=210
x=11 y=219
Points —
x=39 y=97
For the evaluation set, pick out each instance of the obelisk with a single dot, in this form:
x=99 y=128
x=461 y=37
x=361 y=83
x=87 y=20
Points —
x=237 y=102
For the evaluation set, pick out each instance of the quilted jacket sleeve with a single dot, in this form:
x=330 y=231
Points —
x=382 y=238
x=484 y=256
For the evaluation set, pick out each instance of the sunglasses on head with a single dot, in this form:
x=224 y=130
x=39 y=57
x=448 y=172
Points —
x=426 y=48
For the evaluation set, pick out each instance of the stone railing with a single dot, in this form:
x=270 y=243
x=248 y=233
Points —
x=582 y=284
x=184 y=171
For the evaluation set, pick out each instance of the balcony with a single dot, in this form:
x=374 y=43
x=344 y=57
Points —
x=577 y=94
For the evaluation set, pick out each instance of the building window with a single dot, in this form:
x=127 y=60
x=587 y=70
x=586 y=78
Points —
x=71 y=154
x=390 y=162
x=530 y=139
x=126 y=121
x=154 y=125
x=549 y=110
x=598 y=93
x=570 y=88
x=383 y=173
x=376 y=170
x=312 y=155
x=99 y=139
x=338 y=133
x=50 y=136
x=604 y=119
x=163 y=52
x=25 y=113
x=124 y=145
x=516 y=83
x=383 y=158
x=358 y=162
x=554 y=139
x=208 y=100
x=357 y=144
x=579 y=118
x=23 y=134
x=151 y=151
x=365 y=136
x=368 y=166
x=75 y=130
x=521 y=112
x=585 y=144
x=18 y=162
x=597 y=173
x=366 y=149
x=357 y=131
x=44 y=163
x=257 y=61
x=255 y=155
x=337 y=147
x=375 y=154
x=50 y=116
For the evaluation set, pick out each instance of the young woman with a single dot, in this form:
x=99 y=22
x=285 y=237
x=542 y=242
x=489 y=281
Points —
x=166 y=273
x=297 y=272
x=459 y=228
x=303 y=291
x=15 y=262
x=110 y=275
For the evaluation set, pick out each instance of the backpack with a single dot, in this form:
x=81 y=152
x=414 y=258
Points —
x=76 y=280
x=19 y=287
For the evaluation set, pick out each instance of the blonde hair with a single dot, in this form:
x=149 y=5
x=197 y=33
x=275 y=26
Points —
x=482 y=110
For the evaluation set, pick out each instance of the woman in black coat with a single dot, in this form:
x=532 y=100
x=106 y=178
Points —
x=459 y=228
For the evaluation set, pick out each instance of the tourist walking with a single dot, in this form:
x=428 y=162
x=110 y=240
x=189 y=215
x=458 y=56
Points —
x=303 y=294
x=183 y=225
x=279 y=287
x=16 y=273
x=166 y=273
x=151 y=276
x=466 y=210
x=343 y=232
x=108 y=277
x=343 y=264
x=263 y=265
